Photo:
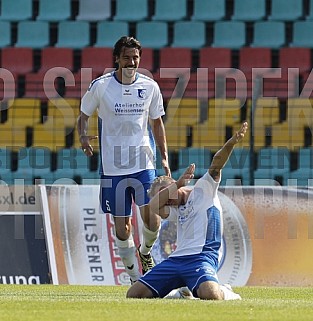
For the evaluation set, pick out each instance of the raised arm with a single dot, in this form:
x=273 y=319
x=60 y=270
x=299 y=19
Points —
x=221 y=156
x=160 y=138
x=169 y=194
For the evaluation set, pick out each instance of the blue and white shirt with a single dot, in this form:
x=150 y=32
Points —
x=123 y=112
x=199 y=221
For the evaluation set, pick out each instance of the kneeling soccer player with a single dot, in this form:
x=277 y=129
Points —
x=198 y=212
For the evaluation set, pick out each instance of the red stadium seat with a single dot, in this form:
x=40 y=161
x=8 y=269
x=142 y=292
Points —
x=17 y=60
x=175 y=57
x=295 y=58
x=174 y=65
x=250 y=58
x=147 y=59
x=56 y=57
x=97 y=58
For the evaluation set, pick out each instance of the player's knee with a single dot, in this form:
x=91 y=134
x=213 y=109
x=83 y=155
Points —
x=131 y=293
x=210 y=291
x=139 y=291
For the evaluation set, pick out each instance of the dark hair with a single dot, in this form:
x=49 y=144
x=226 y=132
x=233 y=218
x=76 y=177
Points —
x=128 y=42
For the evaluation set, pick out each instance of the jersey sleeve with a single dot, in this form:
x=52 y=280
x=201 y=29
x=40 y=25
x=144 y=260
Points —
x=157 y=107
x=90 y=102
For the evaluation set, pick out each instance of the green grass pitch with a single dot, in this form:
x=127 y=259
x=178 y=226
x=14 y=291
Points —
x=66 y=303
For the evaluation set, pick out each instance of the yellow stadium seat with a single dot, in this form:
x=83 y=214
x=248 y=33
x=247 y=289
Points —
x=185 y=111
x=64 y=110
x=208 y=135
x=224 y=112
x=176 y=137
x=23 y=111
x=12 y=136
x=281 y=135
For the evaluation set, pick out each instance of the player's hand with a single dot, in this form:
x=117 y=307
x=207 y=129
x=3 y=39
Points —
x=240 y=134
x=86 y=146
x=166 y=168
x=186 y=176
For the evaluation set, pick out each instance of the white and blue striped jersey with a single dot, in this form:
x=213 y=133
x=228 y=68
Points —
x=199 y=221
x=123 y=112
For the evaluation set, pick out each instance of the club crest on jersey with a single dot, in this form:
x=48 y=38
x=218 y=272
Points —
x=142 y=93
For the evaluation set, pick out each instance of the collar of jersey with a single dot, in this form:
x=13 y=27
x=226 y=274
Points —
x=114 y=74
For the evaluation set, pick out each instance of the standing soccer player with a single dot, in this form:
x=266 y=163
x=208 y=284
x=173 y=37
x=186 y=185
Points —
x=198 y=214
x=130 y=110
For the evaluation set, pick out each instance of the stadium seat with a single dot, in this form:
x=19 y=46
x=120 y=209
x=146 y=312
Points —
x=94 y=10
x=218 y=62
x=272 y=164
x=215 y=58
x=266 y=114
x=16 y=10
x=5 y=160
x=16 y=138
x=309 y=16
x=33 y=34
x=305 y=167
x=174 y=66
x=18 y=61
x=224 y=112
x=189 y=34
x=208 y=135
x=54 y=11
x=50 y=136
x=108 y=32
x=269 y=34
x=22 y=115
x=73 y=34
x=237 y=167
x=54 y=76
x=249 y=10
x=147 y=60
x=8 y=85
x=180 y=115
x=33 y=163
x=183 y=112
x=229 y=34
x=36 y=86
x=299 y=117
x=286 y=10
x=23 y=111
x=73 y=164
x=66 y=163
x=64 y=110
x=56 y=57
x=159 y=29
x=137 y=11
x=295 y=58
x=175 y=57
x=12 y=61
x=213 y=10
x=97 y=58
x=201 y=157
x=5 y=35
x=173 y=10
x=283 y=137
x=302 y=35
x=250 y=58
x=254 y=58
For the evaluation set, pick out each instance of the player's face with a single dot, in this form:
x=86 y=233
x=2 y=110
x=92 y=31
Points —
x=128 y=62
x=175 y=201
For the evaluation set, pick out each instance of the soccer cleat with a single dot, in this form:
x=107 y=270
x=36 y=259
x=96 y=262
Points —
x=181 y=293
x=147 y=262
x=229 y=293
